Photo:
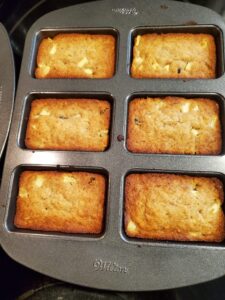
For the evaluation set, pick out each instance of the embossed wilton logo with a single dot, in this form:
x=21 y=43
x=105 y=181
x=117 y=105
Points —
x=125 y=11
x=108 y=266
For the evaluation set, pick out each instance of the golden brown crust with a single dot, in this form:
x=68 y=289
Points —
x=174 y=55
x=68 y=124
x=74 y=55
x=61 y=201
x=174 y=207
x=174 y=125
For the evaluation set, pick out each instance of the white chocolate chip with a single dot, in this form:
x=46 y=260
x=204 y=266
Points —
x=44 y=112
x=68 y=179
x=188 y=66
x=44 y=69
x=82 y=62
x=185 y=107
x=215 y=208
x=213 y=122
x=33 y=126
x=167 y=67
x=88 y=71
x=77 y=116
x=138 y=40
x=53 y=49
x=131 y=227
x=194 y=234
x=195 y=131
x=139 y=60
x=194 y=192
x=39 y=181
x=102 y=132
x=196 y=108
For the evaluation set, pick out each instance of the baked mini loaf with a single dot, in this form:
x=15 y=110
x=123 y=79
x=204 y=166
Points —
x=68 y=124
x=174 y=55
x=75 y=55
x=174 y=207
x=61 y=201
x=174 y=125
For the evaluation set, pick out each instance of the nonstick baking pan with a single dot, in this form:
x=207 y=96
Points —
x=112 y=260
x=7 y=82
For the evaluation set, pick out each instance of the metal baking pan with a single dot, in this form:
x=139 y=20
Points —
x=7 y=85
x=113 y=261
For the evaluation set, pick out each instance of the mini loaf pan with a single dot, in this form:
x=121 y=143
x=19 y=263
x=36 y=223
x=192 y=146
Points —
x=7 y=86
x=112 y=260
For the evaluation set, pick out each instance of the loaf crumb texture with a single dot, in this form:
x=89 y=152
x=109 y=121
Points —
x=174 y=207
x=68 y=124
x=74 y=55
x=70 y=202
x=174 y=55
x=174 y=125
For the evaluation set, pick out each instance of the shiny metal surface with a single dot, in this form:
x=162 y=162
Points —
x=7 y=85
